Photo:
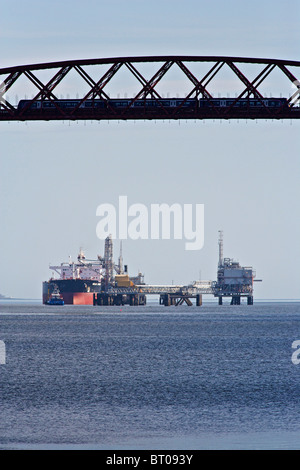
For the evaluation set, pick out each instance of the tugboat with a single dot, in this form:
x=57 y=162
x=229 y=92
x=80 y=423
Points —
x=55 y=298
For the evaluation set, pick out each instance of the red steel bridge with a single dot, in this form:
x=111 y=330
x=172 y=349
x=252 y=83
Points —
x=95 y=102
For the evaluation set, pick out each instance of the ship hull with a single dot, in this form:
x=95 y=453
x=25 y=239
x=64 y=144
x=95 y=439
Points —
x=73 y=291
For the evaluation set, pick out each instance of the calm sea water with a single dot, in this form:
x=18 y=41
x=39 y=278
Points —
x=214 y=377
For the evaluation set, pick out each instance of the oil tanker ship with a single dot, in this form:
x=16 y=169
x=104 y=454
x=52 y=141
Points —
x=77 y=282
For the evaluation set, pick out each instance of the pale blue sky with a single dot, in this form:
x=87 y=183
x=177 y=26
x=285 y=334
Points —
x=54 y=175
x=39 y=30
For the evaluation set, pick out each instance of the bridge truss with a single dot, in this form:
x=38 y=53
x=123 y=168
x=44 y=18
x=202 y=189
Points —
x=96 y=103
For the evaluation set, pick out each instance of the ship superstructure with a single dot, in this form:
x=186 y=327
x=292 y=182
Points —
x=82 y=269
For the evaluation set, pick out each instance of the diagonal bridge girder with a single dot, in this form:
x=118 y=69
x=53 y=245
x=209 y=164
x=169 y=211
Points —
x=46 y=92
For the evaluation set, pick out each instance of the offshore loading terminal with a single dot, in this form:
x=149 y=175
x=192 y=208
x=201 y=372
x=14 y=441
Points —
x=102 y=282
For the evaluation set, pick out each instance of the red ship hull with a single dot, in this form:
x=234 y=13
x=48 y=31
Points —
x=78 y=298
x=73 y=291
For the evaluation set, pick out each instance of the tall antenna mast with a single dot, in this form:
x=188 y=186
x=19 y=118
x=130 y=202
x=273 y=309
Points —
x=108 y=260
x=220 y=248
x=121 y=260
